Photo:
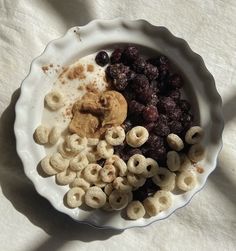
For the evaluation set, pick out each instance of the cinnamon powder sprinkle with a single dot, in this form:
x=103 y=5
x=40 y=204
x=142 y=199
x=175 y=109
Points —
x=200 y=169
x=76 y=72
x=64 y=69
x=92 y=87
x=45 y=68
x=90 y=68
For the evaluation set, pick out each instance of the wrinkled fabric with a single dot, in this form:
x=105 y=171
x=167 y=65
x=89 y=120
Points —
x=28 y=221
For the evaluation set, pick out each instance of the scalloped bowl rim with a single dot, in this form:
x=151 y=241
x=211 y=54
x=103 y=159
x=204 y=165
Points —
x=20 y=128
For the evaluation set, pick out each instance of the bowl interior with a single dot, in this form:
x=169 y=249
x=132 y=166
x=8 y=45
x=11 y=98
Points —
x=81 y=41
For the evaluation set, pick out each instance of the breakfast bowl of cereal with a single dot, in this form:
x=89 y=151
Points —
x=118 y=123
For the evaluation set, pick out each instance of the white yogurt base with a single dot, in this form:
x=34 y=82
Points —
x=73 y=90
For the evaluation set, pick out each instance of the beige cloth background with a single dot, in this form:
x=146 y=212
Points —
x=28 y=222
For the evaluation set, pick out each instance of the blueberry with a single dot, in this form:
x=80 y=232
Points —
x=130 y=75
x=186 y=120
x=146 y=96
x=175 y=95
x=154 y=141
x=176 y=127
x=116 y=56
x=140 y=195
x=115 y=70
x=120 y=82
x=153 y=100
x=158 y=154
x=162 y=129
x=149 y=126
x=127 y=125
x=132 y=151
x=130 y=54
x=154 y=85
x=119 y=150
x=166 y=105
x=102 y=58
x=129 y=94
x=140 y=83
x=175 y=114
x=151 y=71
x=150 y=187
x=135 y=107
x=161 y=60
x=184 y=105
x=163 y=72
x=150 y=113
x=139 y=65
x=175 y=81
x=162 y=87
x=163 y=119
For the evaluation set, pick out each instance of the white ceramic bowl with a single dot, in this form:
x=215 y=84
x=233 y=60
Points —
x=97 y=35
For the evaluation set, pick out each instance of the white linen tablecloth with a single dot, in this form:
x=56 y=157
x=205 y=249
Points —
x=27 y=221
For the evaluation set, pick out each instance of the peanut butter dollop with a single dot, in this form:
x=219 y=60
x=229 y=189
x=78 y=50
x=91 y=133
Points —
x=95 y=112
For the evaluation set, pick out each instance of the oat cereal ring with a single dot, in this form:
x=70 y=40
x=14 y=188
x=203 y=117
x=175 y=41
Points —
x=173 y=161
x=164 y=199
x=108 y=173
x=54 y=135
x=79 y=174
x=164 y=177
x=135 y=180
x=175 y=142
x=95 y=197
x=92 y=141
x=54 y=100
x=194 y=135
x=41 y=134
x=196 y=153
x=76 y=143
x=93 y=156
x=47 y=167
x=65 y=152
x=100 y=183
x=186 y=180
x=115 y=135
x=135 y=210
x=118 y=200
x=79 y=162
x=170 y=186
x=185 y=163
x=136 y=164
x=58 y=162
x=119 y=164
x=65 y=177
x=75 y=197
x=151 y=206
x=108 y=189
x=122 y=184
x=91 y=172
x=80 y=182
x=150 y=169
x=104 y=150
x=137 y=136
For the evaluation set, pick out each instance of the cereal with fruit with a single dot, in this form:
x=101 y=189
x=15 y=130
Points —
x=128 y=140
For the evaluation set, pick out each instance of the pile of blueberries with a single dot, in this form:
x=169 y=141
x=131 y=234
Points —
x=152 y=91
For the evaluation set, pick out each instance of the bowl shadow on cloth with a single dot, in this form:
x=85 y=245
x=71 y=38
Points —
x=18 y=189
x=73 y=12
